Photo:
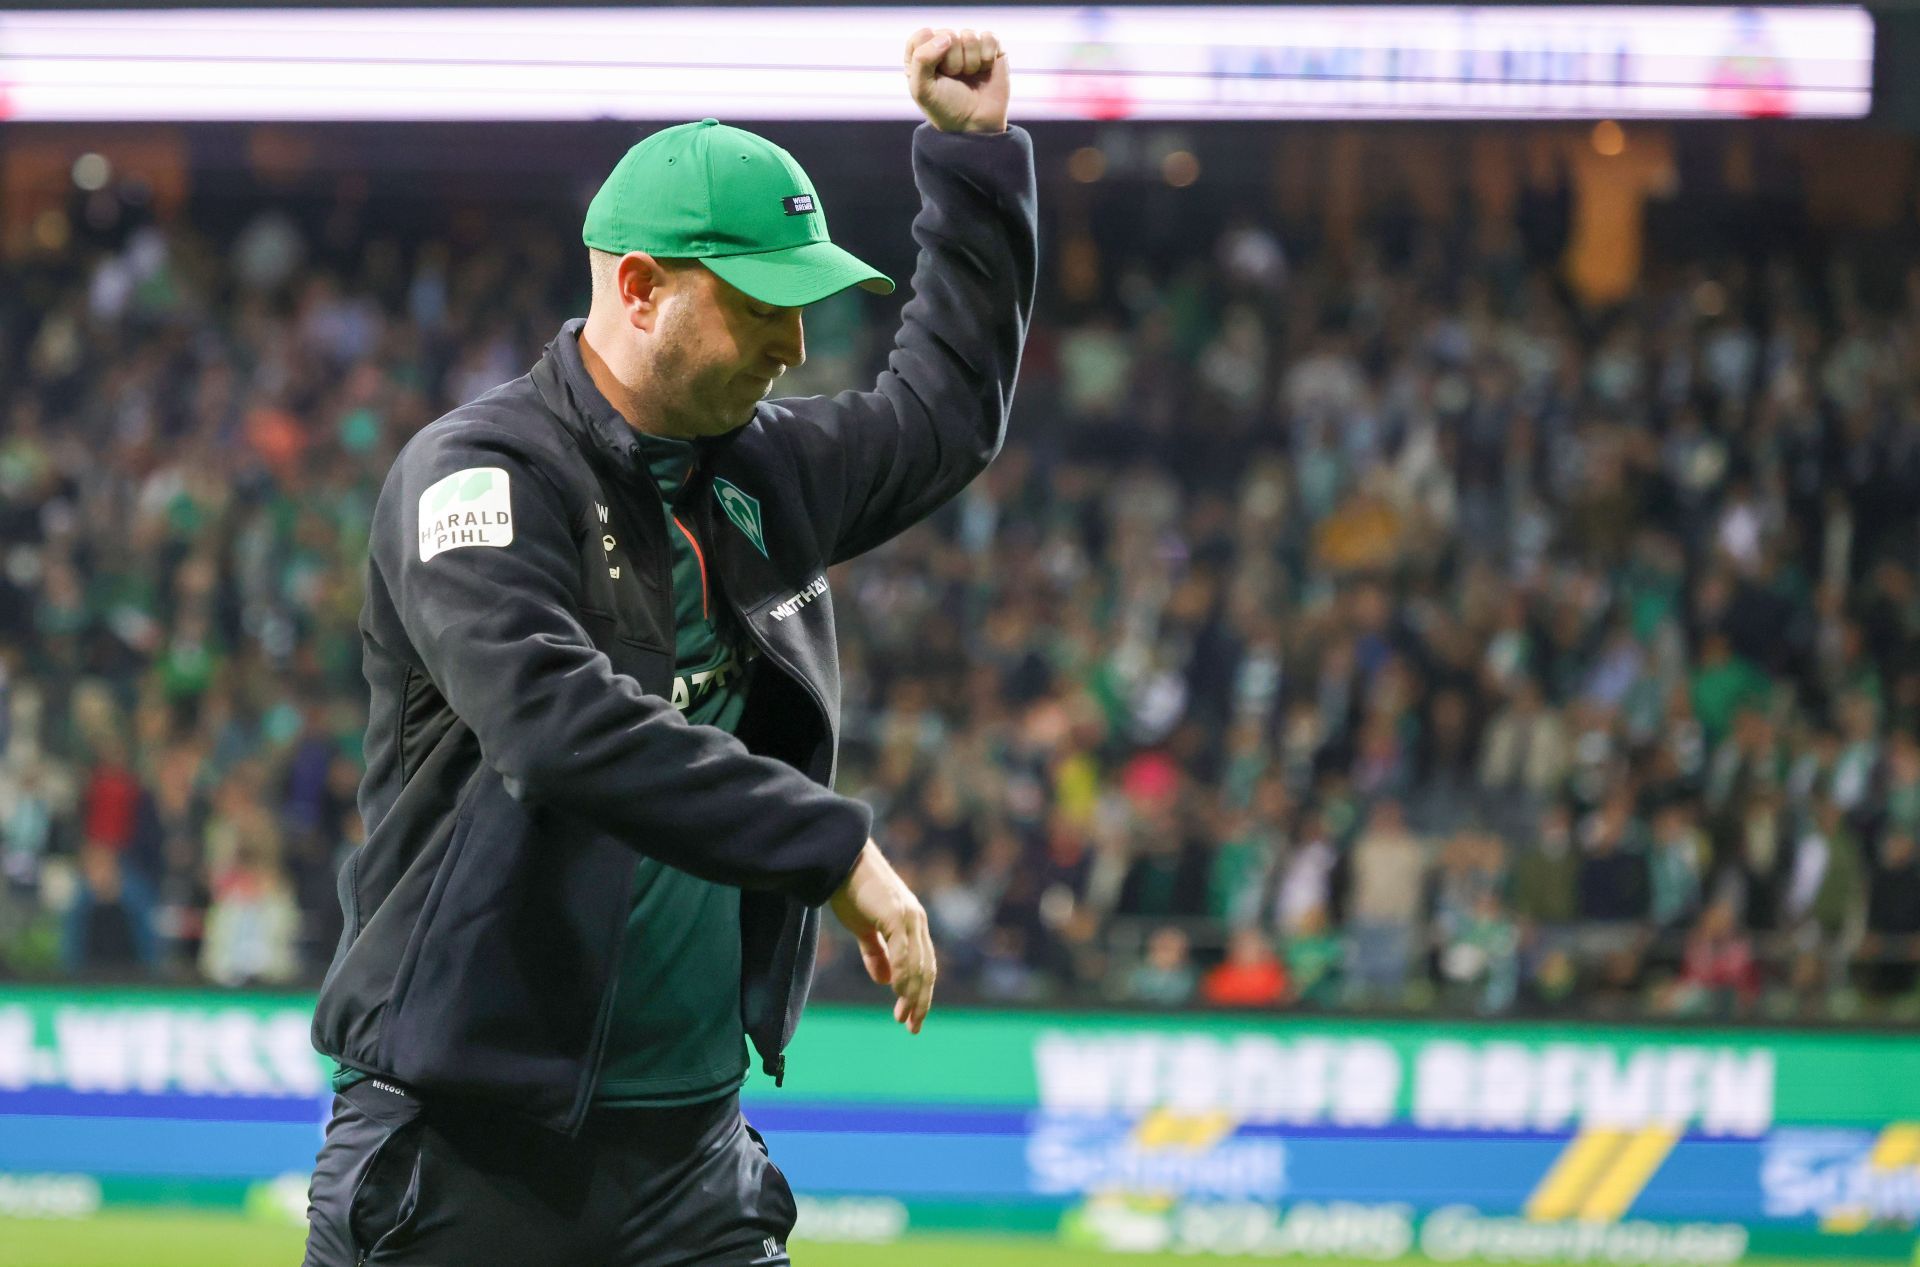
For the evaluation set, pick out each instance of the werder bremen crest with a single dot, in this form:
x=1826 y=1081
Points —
x=744 y=510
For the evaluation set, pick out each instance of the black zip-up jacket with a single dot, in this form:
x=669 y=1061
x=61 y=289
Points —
x=522 y=752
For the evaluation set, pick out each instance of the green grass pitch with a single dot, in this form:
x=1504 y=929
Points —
x=165 y=1239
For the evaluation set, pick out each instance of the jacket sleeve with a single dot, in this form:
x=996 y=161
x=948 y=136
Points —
x=874 y=463
x=494 y=618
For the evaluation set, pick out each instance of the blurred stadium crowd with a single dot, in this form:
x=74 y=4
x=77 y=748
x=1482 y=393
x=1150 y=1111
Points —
x=1383 y=633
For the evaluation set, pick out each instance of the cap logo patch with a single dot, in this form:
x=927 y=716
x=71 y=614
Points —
x=798 y=205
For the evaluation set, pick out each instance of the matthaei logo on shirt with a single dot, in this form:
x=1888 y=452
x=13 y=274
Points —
x=744 y=510
x=798 y=205
x=467 y=508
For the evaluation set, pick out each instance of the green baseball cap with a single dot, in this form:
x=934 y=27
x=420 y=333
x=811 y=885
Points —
x=736 y=202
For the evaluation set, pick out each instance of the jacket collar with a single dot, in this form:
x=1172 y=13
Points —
x=568 y=390
x=571 y=394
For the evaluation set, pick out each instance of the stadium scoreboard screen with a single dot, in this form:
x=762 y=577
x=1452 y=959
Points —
x=1147 y=62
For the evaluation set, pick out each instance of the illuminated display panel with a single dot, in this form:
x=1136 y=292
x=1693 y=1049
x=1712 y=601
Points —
x=1332 y=62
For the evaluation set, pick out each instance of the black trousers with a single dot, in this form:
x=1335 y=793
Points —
x=400 y=1181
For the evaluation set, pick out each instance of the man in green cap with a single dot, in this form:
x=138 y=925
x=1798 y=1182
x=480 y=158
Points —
x=605 y=710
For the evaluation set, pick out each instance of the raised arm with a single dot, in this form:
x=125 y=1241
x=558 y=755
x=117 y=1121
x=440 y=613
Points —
x=879 y=461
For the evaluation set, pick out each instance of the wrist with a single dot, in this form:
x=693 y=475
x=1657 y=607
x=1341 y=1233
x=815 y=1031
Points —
x=971 y=129
x=870 y=862
x=846 y=876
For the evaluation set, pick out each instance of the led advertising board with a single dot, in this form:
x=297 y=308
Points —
x=1149 y=62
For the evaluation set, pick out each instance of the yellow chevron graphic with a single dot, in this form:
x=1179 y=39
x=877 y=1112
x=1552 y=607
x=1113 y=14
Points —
x=1586 y=1157
x=1623 y=1182
x=1600 y=1174
x=1897 y=1148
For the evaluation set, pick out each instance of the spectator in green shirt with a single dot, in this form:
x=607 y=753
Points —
x=1722 y=683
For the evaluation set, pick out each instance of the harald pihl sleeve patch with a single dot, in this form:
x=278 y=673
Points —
x=467 y=508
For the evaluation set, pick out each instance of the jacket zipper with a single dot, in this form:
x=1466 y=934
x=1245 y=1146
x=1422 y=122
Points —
x=703 y=513
x=780 y=1058
x=597 y=1056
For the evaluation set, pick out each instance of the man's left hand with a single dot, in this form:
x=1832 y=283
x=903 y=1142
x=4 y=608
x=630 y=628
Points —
x=891 y=926
x=958 y=79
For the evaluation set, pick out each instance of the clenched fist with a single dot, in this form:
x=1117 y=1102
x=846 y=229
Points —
x=958 y=79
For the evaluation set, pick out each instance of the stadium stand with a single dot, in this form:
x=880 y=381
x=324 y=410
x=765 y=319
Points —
x=1365 y=628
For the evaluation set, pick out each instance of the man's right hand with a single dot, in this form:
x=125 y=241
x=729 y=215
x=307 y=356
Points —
x=887 y=919
x=958 y=79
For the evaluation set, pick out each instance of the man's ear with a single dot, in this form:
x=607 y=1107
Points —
x=641 y=282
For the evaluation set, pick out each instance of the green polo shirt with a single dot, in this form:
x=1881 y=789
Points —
x=676 y=1036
